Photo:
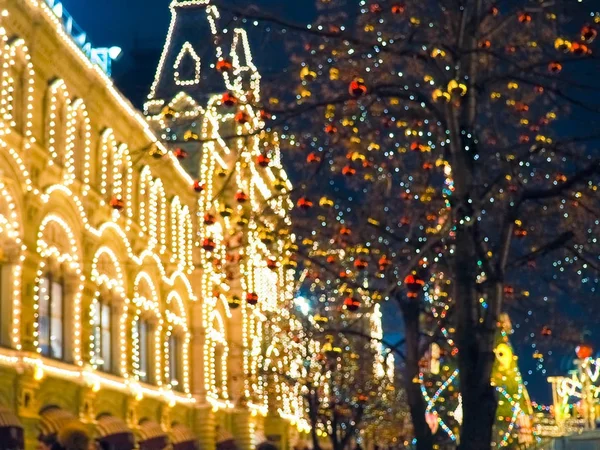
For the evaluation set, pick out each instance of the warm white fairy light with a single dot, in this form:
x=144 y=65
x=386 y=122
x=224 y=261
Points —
x=67 y=137
x=187 y=50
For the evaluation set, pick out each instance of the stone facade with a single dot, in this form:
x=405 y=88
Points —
x=110 y=301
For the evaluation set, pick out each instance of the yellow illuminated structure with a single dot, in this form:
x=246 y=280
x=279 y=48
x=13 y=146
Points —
x=111 y=303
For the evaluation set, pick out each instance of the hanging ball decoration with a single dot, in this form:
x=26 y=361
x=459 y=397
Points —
x=524 y=17
x=313 y=158
x=562 y=45
x=290 y=264
x=456 y=88
x=198 y=187
x=348 y=171
x=579 y=49
x=345 y=231
x=228 y=99
x=330 y=129
x=252 y=298
x=241 y=197
x=234 y=302
x=398 y=8
x=242 y=117
x=224 y=65
x=117 y=204
x=263 y=160
x=264 y=115
x=584 y=351
x=304 y=203
x=208 y=244
x=375 y=8
x=588 y=34
x=226 y=211
x=272 y=264
x=357 y=87
x=494 y=10
x=180 y=153
x=209 y=219
x=546 y=331
x=351 y=304
x=361 y=264
x=485 y=44
x=414 y=284
x=307 y=75
x=554 y=67
x=190 y=136
x=384 y=262
x=440 y=96
x=168 y=113
x=331 y=259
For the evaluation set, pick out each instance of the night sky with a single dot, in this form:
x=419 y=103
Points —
x=139 y=27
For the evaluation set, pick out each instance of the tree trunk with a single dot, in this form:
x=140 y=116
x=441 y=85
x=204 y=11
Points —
x=313 y=411
x=475 y=343
x=416 y=402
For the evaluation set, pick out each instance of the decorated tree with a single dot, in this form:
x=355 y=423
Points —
x=443 y=137
x=336 y=363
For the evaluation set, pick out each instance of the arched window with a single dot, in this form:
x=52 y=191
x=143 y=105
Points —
x=58 y=292
x=122 y=173
x=158 y=221
x=51 y=312
x=103 y=334
x=147 y=329
x=78 y=143
x=58 y=118
x=17 y=86
x=177 y=344
x=10 y=269
x=147 y=208
x=217 y=351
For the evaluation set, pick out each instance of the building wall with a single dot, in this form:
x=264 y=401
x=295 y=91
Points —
x=85 y=205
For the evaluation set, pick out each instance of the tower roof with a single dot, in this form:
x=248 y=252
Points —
x=194 y=43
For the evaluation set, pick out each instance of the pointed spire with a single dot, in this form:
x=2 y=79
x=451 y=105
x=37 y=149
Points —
x=193 y=46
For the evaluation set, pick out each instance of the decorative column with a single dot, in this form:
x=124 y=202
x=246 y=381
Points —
x=205 y=427
x=243 y=429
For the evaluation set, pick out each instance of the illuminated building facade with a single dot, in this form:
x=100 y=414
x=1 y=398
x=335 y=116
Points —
x=123 y=303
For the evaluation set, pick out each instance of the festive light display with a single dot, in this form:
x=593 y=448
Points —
x=140 y=230
x=440 y=162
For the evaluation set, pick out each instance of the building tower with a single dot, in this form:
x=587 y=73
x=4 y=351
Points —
x=202 y=105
